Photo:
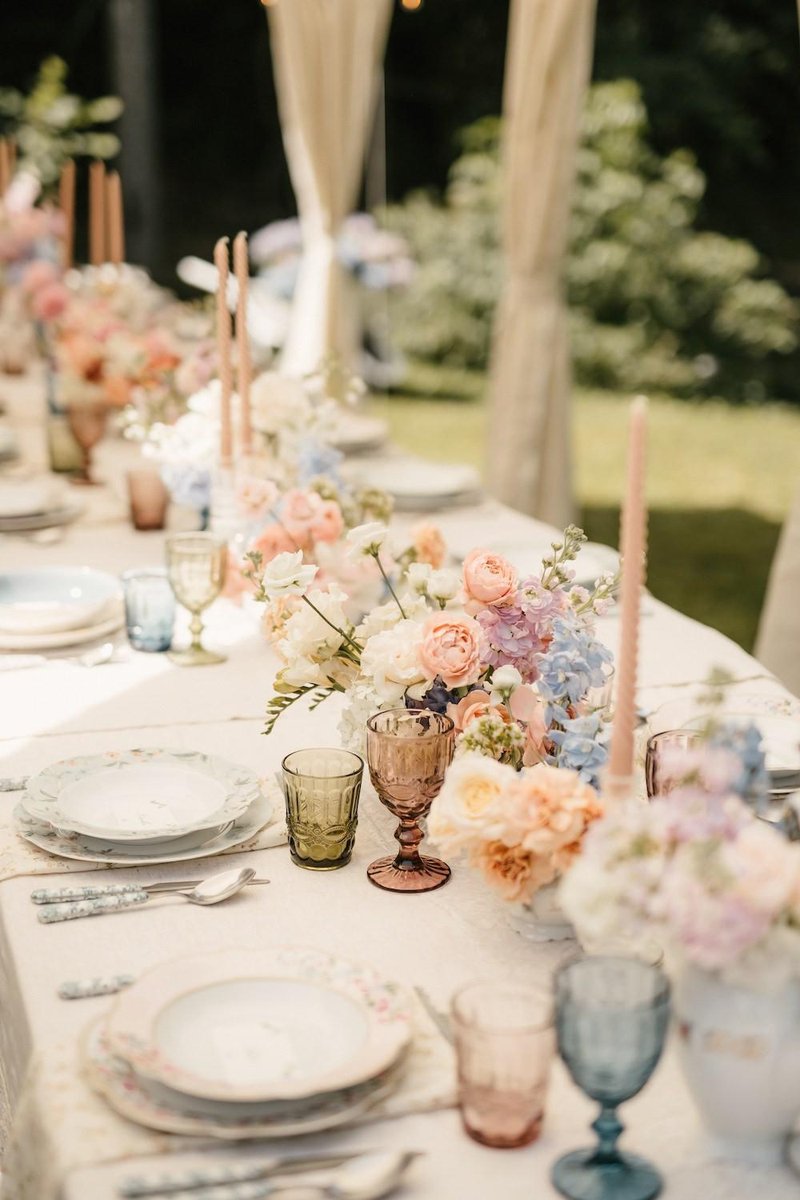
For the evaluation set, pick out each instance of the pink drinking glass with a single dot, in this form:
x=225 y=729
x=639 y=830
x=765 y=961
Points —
x=659 y=780
x=505 y=1043
x=408 y=752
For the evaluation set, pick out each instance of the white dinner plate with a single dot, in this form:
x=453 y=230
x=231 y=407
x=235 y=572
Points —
x=45 y=600
x=26 y=497
x=75 y=846
x=417 y=486
x=355 y=433
x=279 y=1024
x=65 y=638
x=141 y=795
x=157 y=1107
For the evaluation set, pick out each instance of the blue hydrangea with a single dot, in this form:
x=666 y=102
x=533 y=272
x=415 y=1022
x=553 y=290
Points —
x=580 y=747
x=315 y=459
x=573 y=663
x=752 y=783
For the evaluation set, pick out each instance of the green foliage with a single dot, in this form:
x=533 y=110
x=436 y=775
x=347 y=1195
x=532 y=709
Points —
x=655 y=303
x=51 y=124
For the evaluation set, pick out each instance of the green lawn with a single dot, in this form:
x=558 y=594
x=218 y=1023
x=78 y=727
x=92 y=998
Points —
x=719 y=483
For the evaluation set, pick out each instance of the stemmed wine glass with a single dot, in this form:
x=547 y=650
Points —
x=658 y=780
x=409 y=752
x=611 y=1021
x=196 y=565
x=87 y=423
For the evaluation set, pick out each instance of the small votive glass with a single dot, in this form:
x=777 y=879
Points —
x=663 y=751
x=505 y=1042
x=148 y=497
x=149 y=609
x=322 y=789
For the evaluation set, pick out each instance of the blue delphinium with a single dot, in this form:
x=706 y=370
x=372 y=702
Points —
x=316 y=460
x=574 y=663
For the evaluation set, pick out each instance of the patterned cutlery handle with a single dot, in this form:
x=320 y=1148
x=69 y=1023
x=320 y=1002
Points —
x=199 y=1190
x=90 y=892
x=65 y=894
x=79 y=989
x=175 y=1183
x=50 y=913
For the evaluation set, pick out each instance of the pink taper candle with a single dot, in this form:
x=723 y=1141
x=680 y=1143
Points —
x=224 y=354
x=633 y=544
x=241 y=266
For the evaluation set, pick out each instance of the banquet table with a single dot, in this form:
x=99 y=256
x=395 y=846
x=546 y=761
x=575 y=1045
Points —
x=61 y=1141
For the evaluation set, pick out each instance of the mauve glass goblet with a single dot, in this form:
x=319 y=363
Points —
x=408 y=754
x=88 y=424
x=611 y=1021
x=659 y=780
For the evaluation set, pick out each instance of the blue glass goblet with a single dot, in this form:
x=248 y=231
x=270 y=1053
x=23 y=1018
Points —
x=611 y=1021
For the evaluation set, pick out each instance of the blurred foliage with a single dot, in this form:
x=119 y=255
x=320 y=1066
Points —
x=655 y=303
x=51 y=124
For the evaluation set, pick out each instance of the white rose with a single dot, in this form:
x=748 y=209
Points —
x=366 y=539
x=443 y=585
x=386 y=616
x=287 y=575
x=419 y=575
x=505 y=680
x=391 y=660
x=469 y=808
x=309 y=633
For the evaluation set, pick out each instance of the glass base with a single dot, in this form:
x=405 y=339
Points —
x=195 y=658
x=430 y=874
x=580 y=1176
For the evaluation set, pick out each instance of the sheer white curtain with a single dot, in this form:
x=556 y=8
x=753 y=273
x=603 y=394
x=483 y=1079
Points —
x=327 y=56
x=548 y=63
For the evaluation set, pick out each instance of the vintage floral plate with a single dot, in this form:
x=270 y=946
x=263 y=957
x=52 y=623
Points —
x=44 y=600
x=282 y=1024
x=157 y=1107
x=140 y=795
x=82 y=849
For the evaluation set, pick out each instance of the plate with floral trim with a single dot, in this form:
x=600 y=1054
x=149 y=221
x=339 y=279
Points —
x=277 y=1024
x=158 y=1107
x=140 y=795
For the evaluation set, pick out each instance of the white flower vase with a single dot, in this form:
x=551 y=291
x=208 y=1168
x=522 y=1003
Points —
x=740 y=1051
x=542 y=919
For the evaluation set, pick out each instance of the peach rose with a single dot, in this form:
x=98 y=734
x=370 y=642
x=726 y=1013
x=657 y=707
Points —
x=272 y=541
x=299 y=510
x=550 y=809
x=327 y=523
x=488 y=579
x=473 y=705
x=511 y=869
x=38 y=274
x=451 y=649
x=429 y=544
x=49 y=301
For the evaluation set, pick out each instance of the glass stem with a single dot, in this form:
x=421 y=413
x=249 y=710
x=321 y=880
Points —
x=196 y=629
x=608 y=1127
x=409 y=835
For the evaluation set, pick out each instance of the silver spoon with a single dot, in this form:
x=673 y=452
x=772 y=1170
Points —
x=218 y=887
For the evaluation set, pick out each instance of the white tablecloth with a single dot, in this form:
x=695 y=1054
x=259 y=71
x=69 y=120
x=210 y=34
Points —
x=440 y=940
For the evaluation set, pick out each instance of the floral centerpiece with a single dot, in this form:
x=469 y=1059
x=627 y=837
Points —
x=699 y=873
x=513 y=661
x=520 y=829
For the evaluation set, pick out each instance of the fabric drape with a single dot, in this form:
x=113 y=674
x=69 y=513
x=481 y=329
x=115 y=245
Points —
x=327 y=56
x=548 y=62
x=778 y=643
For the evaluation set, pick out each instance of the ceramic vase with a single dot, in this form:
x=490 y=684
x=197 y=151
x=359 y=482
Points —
x=740 y=1051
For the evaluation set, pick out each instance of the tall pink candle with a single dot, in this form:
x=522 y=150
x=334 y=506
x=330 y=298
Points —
x=224 y=354
x=633 y=544
x=241 y=266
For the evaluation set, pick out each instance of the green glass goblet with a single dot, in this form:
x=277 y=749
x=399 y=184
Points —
x=196 y=565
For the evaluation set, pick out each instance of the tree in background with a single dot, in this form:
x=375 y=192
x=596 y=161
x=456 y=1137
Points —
x=655 y=303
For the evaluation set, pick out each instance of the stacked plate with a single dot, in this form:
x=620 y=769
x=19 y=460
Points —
x=136 y=807
x=51 y=607
x=30 y=504
x=251 y=1043
x=419 y=486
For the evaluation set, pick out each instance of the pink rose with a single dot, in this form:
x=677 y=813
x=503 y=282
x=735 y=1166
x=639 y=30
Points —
x=327 y=523
x=299 y=510
x=473 y=705
x=37 y=275
x=451 y=649
x=488 y=579
x=49 y=301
